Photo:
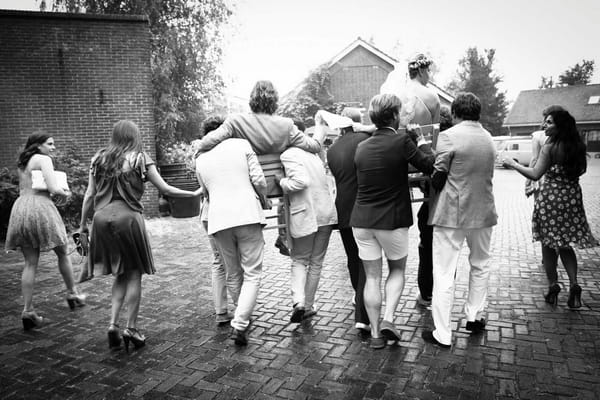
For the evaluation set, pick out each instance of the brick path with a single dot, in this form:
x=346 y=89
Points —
x=529 y=351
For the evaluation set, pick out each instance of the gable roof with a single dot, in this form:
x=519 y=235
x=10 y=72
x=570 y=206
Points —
x=369 y=47
x=527 y=109
x=390 y=60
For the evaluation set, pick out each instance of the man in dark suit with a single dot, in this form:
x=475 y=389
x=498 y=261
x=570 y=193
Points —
x=340 y=158
x=382 y=210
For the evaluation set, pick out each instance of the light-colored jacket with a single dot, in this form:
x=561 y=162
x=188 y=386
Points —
x=467 y=153
x=311 y=202
x=266 y=133
x=228 y=173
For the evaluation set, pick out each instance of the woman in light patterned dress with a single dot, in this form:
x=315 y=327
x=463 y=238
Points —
x=35 y=224
x=559 y=219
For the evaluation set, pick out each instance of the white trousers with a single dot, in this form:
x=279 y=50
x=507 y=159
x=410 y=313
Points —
x=447 y=243
x=242 y=249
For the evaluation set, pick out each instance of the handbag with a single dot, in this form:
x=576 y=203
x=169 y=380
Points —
x=39 y=183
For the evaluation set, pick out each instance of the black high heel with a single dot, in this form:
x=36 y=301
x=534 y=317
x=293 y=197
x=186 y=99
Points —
x=552 y=296
x=574 y=297
x=76 y=300
x=114 y=338
x=134 y=336
x=31 y=320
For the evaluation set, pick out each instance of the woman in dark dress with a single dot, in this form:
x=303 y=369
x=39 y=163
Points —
x=119 y=244
x=559 y=219
x=36 y=226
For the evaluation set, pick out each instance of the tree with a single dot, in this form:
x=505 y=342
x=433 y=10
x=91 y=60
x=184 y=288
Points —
x=313 y=94
x=578 y=74
x=476 y=75
x=186 y=53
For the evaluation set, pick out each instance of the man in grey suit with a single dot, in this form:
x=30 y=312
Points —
x=464 y=209
x=267 y=133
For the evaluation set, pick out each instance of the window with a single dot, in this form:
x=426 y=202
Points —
x=514 y=146
x=594 y=100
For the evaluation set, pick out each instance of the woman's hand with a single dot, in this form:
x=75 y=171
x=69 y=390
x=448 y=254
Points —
x=508 y=163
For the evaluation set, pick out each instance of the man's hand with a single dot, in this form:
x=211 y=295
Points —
x=278 y=177
x=319 y=120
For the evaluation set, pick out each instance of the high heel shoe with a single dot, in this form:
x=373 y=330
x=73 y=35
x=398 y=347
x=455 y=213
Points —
x=134 y=336
x=76 y=300
x=114 y=338
x=31 y=320
x=552 y=295
x=574 y=297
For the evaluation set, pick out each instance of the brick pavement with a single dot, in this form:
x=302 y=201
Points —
x=529 y=351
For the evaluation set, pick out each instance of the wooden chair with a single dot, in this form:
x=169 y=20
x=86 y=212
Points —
x=271 y=164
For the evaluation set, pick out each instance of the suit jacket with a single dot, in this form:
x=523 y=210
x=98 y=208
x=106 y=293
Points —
x=467 y=153
x=266 y=133
x=340 y=158
x=383 y=198
x=311 y=203
x=228 y=173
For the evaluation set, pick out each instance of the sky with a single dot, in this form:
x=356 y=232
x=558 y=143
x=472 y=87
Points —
x=283 y=40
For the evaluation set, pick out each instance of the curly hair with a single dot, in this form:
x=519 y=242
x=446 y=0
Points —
x=211 y=123
x=445 y=118
x=125 y=138
x=383 y=109
x=34 y=140
x=565 y=135
x=466 y=106
x=264 y=98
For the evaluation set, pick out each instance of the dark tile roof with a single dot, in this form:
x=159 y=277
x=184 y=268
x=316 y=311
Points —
x=528 y=107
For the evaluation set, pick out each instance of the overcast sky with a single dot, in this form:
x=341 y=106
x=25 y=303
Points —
x=282 y=40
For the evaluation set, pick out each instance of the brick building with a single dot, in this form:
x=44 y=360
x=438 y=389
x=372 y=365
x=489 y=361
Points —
x=74 y=75
x=582 y=101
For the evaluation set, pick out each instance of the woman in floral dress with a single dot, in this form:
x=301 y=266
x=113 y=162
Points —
x=559 y=220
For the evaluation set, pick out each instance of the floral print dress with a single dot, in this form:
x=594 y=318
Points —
x=558 y=215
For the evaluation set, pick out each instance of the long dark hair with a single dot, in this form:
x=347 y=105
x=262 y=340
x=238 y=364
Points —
x=565 y=135
x=125 y=138
x=34 y=140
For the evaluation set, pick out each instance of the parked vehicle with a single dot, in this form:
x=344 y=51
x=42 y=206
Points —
x=516 y=147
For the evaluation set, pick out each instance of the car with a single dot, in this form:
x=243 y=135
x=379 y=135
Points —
x=516 y=147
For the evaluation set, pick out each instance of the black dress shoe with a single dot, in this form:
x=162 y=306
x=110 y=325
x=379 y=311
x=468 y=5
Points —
x=297 y=314
x=428 y=337
x=476 y=326
x=240 y=338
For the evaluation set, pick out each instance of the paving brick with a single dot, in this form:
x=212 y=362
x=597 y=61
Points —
x=529 y=349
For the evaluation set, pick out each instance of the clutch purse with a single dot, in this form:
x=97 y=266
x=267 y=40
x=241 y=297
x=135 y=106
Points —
x=39 y=183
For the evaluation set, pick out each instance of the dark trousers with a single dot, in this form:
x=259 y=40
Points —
x=425 y=276
x=357 y=274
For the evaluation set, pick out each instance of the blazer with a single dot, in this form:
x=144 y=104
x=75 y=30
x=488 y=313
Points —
x=311 y=202
x=228 y=173
x=467 y=153
x=383 y=198
x=266 y=133
x=340 y=158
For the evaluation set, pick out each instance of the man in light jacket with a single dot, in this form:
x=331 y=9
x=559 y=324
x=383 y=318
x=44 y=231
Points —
x=463 y=210
x=312 y=216
x=231 y=175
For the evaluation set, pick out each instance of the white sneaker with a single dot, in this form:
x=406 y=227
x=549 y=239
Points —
x=423 y=303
